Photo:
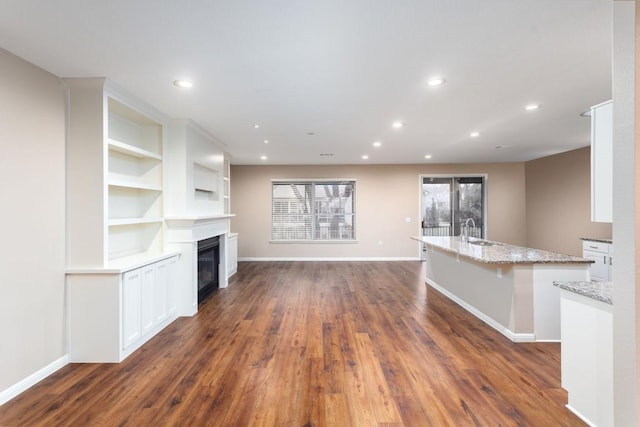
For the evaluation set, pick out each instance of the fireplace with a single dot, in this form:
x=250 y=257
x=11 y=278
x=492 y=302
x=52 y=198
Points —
x=208 y=266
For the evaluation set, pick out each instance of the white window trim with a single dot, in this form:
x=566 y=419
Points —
x=313 y=181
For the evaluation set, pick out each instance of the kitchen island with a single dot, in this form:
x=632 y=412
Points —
x=508 y=287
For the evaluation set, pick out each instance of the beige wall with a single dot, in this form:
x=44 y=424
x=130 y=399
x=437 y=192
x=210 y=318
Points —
x=558 y=193
x=32 y=172
x=385 y=196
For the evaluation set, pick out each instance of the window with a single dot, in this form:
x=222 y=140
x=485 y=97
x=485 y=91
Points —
x=313 y=211
x=448 y=202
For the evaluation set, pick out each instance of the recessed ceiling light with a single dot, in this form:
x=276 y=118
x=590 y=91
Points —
x=428 y=156
x=256 y=126
x=266 y=141
x=397 y=124
x=474 y=134
x=532 y=107
x=377 y=144
x=263 y=157
x=183 y=83
x=436 y=81
x=365 y=157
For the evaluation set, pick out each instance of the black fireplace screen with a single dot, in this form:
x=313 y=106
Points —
x=208 y=266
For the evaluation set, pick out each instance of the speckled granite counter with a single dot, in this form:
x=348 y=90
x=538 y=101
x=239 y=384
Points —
x=499 y=253
x=600 y=291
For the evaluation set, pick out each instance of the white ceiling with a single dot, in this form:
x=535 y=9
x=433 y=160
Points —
x=343 y=70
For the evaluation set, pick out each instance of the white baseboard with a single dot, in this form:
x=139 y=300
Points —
x=31 y=380
x=480 y=315
x=579 y=415
x=330 y=259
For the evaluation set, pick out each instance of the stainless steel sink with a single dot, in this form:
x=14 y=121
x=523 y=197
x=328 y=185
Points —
x=482 y=242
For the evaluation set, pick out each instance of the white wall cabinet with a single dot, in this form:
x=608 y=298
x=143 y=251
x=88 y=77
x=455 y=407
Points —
x=112 y=313
x=602 y=162
x=602 y=255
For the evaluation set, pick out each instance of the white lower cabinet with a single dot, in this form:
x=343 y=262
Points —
x=131 y=312
x=172 y=286
x=602 y=255
x=112 y=313
x=160 y=306
x=145 y=303
x=232 y=254
x=587 y=357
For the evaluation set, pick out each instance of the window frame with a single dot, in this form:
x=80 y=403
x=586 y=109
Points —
x=457 y=177
x=313 y=182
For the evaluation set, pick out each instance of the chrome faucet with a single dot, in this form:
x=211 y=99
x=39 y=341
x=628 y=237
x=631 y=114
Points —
x=465 y=234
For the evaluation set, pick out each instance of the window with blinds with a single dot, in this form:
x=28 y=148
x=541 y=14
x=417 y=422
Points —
x=313 y=211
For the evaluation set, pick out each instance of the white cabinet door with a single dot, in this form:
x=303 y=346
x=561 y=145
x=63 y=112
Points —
x=148 y=273
x=232 y=255
x=610 y=278
x=160 y=303
x=602 y=162
x=602 y=255
x=172 y=285
x=131 y=324
x=599 y=270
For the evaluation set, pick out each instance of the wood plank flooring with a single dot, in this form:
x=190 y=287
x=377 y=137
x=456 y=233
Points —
x=313 y=344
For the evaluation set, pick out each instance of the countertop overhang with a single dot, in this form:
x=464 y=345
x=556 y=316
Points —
x=499 y=253
x=599 y=291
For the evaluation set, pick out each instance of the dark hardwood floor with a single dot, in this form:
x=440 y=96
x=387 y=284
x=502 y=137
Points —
x=313 y=344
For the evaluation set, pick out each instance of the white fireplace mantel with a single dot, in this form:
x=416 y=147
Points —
x=187 y=229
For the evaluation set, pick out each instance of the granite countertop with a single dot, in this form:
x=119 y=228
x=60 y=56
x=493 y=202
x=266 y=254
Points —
x=598 y=239
x=499 y=253
x=601 y=291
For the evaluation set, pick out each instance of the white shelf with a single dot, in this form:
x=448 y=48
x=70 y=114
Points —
x=131 y=150
x=130 y=221
x=133 y=128
x=136 y=185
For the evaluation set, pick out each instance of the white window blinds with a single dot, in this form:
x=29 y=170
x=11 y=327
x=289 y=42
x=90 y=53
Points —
x=313 y=211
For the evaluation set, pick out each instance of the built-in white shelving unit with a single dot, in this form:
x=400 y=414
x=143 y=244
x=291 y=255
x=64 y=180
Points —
x=115 y=175
x=134 y=142
x=122 y=282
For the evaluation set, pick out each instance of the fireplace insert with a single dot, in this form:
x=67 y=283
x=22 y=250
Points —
x=208 y=266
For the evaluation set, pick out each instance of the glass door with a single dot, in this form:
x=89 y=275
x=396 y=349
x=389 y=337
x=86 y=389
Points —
x=450 y=204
